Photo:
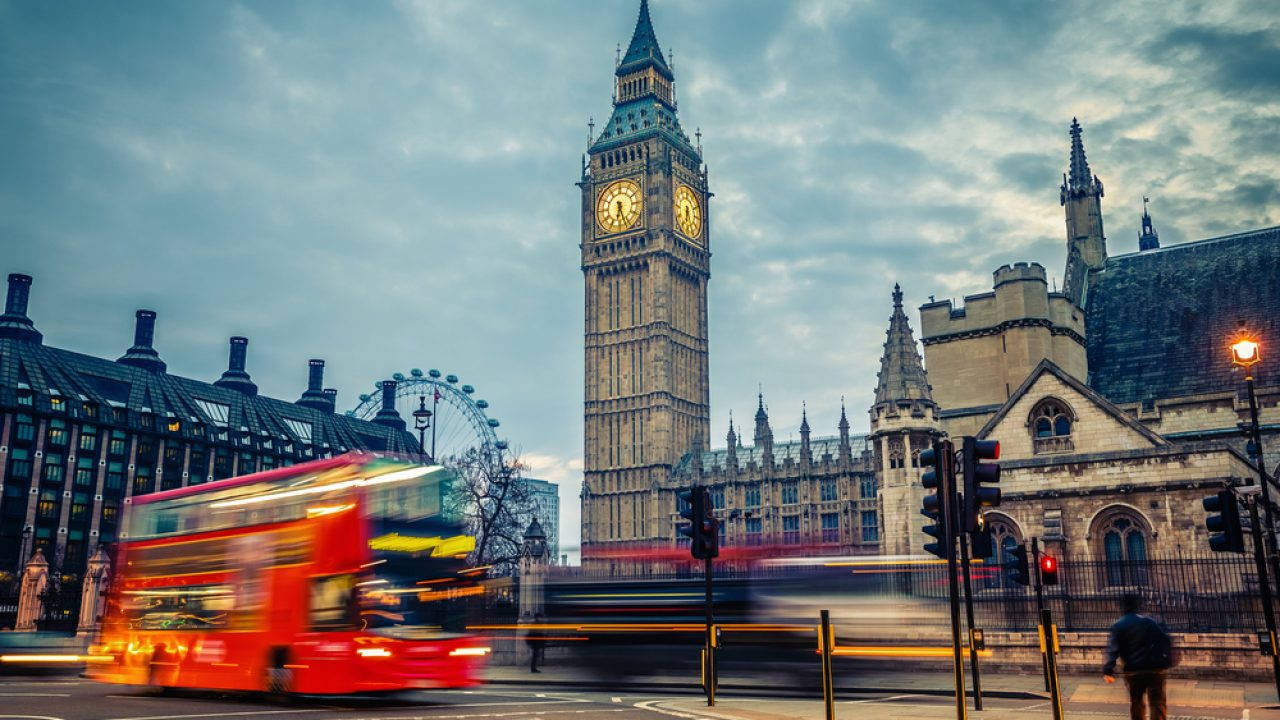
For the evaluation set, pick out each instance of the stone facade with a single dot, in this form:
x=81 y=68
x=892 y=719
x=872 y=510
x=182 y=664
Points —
x=1114 y=401
x=818 y=495
x=645 y=262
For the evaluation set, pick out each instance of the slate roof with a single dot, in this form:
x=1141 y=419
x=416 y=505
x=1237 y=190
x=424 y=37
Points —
x=1160 y=321
x=78 y=378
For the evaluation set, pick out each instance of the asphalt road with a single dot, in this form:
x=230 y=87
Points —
x=71 y=698
x=64 y=698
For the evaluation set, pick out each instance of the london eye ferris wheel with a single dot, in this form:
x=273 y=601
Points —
x=446 y=415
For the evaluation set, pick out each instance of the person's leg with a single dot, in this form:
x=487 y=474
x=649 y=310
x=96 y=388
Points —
x=1137 y=689
x=533 y=658
x=1156 y=698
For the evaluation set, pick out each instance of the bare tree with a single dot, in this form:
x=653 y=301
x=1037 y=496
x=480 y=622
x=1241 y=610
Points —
x=490 y=495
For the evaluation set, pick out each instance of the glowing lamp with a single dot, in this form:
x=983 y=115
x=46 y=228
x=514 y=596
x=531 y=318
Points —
x=1245 y=352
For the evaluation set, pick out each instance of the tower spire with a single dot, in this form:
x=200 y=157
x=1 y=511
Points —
x=1148 y=239
x=902 y=376
x=1081 y=195
x=644 y=46
x=1080 y=175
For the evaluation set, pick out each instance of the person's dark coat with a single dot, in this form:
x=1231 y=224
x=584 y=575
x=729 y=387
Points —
x=1141 y=643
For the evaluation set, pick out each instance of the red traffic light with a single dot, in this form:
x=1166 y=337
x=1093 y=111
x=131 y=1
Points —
x=1048 y=564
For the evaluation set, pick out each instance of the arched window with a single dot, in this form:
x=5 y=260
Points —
x=1123 y=539
x=1051 y=423
x=897 y=456
x=1004 y=538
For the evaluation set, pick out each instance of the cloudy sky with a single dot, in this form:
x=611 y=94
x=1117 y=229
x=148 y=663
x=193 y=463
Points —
x=389 y=185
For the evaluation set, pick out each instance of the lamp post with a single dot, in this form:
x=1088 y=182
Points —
x=1245 y=353
x=422 y=421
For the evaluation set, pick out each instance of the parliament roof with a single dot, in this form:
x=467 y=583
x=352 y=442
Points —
x=1160 y=321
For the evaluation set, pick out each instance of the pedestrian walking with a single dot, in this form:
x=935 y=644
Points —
x=537 y=641
x=1146 y=650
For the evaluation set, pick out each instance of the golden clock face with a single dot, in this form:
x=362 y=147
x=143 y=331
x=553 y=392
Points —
x=618 y=206
x=688 y=212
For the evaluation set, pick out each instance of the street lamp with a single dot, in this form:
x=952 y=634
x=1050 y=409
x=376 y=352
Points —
x=1246 y=352
x=422 y=421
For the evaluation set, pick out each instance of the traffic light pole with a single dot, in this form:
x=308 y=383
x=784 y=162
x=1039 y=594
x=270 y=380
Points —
x=1255 y=434
x=1044 y=656
x=711 y=644
x=1259 y=549
x=950 y=515
x=1048 y=637
x=968 y=609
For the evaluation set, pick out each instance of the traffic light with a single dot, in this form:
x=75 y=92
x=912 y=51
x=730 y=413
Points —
x=1226 y=534
x=1017 y=566
x=1048 y=570
x=976 y=476
x=702 y=529
x=934 y=479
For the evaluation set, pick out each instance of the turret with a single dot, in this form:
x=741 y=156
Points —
x=1081 y=195
x=764 y=433
x=142 y=354
x=806 y=452
x=731 y=448
x=1147 y=239
x=846 y=452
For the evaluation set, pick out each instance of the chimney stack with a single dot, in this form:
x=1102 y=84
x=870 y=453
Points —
x=314 y=397
x=235 y=378
x=142 y=354
x=15 y=323
x=387 y=416
x=331 y=397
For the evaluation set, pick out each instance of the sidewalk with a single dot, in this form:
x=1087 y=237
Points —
x=916 y=694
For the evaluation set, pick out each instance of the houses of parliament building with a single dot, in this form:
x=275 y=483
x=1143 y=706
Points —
x=1113 y=398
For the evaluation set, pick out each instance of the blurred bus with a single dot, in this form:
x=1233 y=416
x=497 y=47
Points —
x=334 y=576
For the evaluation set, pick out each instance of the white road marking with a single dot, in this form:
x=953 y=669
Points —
x=30 y=717
x=242 y=713
x=18 y=694
x=617 y=699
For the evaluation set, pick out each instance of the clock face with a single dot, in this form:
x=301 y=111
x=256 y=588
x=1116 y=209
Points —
x=688 y=212
x=618 y=206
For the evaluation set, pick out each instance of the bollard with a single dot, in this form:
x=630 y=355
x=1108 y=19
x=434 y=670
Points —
x=826 y=643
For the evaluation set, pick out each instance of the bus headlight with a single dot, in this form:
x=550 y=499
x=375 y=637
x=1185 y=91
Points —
x=373 y=652
x=479 y=651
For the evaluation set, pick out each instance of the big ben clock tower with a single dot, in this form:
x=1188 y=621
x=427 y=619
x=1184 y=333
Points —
x=646 y=260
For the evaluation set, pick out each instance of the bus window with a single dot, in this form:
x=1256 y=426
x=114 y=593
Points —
x=330 y=607
x=199 y=607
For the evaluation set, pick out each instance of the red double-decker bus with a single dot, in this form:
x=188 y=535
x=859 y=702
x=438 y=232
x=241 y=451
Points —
x=335 y=576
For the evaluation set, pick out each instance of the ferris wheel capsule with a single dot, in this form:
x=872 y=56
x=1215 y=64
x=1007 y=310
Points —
x=482 y=404
x=364 y=397
x=493 y=422
x=451 y=379
x=468 y=389
x=433 y=373
x=398 y=377
x=416 y=372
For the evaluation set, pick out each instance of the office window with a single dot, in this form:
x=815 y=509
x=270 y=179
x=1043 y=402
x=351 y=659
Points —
x=20 y=464
x=870 y=526
x=84 y=472
x=54 y=468
x=830 y=489
x=57 y=404
x=79 y=506
x=830 y=527
x=142 y=482
x=26 y=398
x=753 y=496
x=24 y=430
x=47 y=508
x=717 y=498
x=791 y=530
x=119 y=444
x=56 y=435
x=88 y=438
x=115 y=476
x=753 y=527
